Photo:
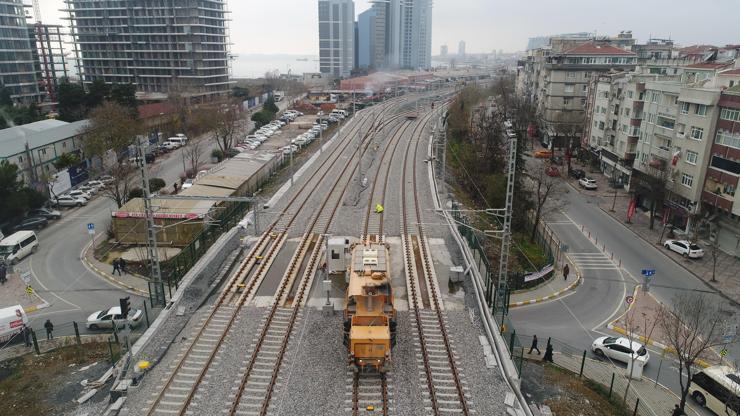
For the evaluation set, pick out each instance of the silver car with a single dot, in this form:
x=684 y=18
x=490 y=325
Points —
x=106 y=318
x=69 y=201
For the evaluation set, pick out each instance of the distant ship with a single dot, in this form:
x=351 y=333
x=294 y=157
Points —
x=302 y=59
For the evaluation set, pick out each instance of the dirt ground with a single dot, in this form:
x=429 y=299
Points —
x=49 y=384
x=565 y=393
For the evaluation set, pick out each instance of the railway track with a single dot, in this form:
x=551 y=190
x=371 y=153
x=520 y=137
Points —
x=179 y=388
x=446 y=393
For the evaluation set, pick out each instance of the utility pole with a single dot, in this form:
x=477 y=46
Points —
x=156 y=296
x=503 y=265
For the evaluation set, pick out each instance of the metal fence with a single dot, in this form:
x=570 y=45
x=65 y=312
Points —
x=609 y=378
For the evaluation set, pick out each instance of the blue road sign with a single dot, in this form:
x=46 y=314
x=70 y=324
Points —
x=90 y=226
x=648 y=272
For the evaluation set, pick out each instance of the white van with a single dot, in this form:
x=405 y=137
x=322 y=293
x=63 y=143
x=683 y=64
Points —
x=12 y=321
x=180 y=140
x=339 y=113
x=16 y=246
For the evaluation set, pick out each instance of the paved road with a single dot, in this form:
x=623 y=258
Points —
x=582 y=316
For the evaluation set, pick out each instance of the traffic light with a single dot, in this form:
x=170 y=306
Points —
x=125 y=306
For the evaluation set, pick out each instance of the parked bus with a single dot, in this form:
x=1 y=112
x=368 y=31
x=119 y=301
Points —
x=718 y=389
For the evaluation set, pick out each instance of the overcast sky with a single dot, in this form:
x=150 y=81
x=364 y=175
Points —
x=290 y=26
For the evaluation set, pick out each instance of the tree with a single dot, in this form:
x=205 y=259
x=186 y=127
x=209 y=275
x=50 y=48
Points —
x=15 y=198
x=155 y=184
x=125 y=96
x=543 y=187
x=66 y=160
x=692 y=325
x=270 y=105
x=108 y=135
x=240 y=92
x=5 y=96
x=192 y=154
x=71 y=101
x=633 y=326
x=96 y=94
x=222 y=121
x=262 y=117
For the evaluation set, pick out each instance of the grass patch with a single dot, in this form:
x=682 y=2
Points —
x=525 y=249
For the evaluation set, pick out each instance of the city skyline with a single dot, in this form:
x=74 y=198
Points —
x=288 y=26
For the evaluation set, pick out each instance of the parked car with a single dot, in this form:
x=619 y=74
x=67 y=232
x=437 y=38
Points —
x=18 y=245
x=30 y=223
x=187 y=184
x=577 y=173
x=50 y=214
x=88 y=189
x=69 y=201
x=543 y=154
x=168 y=145
x=620 y=349
x=76 y=193
x=106 y=318
x=684 y=248
x=106 y=179
x=587 y=183
x=97 y=183
x=552 y=171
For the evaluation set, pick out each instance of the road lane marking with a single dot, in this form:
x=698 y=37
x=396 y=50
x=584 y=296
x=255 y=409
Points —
x=30 y=267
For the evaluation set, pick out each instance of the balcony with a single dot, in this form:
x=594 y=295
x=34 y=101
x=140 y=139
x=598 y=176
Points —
x=718 y=200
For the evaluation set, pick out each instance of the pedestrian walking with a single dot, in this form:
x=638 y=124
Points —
x=677 y=411
x=534 y=345
x=548 y=353
x=121 y=266
x=174 y=185
x=116 y=267
x=49 y=328
x=3 y=273
x=566 y=270
x=26 y=336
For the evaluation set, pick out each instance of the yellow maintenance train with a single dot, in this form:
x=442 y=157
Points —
x=369 y=315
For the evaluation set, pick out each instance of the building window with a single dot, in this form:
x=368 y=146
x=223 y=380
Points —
x=569 y=89
x=685 y=108
x=726 y=138
x=691 y=157
x=629 y=94
x=654 y=97
x=601 y=125
x=20 y=159
x=697 y=133
x=571 y=75
x=700 y=110
x=666 y=123
x=626 y=112
x=730 y=114
x=584 y=87
x=726 y=165
x=566 y=101
x=680 y=129
x=687 y=180
x=583 y=102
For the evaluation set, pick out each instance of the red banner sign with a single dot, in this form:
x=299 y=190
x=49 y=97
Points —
x=157 y=215
x=631 y=209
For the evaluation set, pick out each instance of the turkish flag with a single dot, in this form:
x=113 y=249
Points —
x=631 y=209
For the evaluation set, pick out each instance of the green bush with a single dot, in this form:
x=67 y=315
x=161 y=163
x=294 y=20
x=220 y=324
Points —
x=155 y=184
x=218 y=154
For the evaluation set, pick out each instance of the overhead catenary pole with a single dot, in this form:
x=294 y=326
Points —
x=157 y=295
x=503 y=265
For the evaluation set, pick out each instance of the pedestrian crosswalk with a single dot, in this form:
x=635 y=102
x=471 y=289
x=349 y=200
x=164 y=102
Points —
x=593 y=261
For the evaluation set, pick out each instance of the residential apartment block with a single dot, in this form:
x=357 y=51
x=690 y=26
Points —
x=158 y=45
x=19 y=64
x=336 y=37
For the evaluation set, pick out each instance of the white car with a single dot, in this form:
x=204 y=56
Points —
x=106 y=179
x=96 y=184
x=77 y=193
x=187 y=184
x=106 y=318
x=620 y=349
x=587 y=183
x=69 y=201
x=92 y=190
x=170 y=145
x=684 y=248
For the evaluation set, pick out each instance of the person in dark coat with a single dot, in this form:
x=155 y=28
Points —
x=548 y=353
x=566 y=270
x=677 y=411
x=116 y=267
x=49 y=328
x=534 y=345
x=3 y=272
x=121 y=266
x=26 y=336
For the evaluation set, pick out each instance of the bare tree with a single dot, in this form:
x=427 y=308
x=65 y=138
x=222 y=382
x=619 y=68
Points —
x=692 y=325
x=222 y=121
x=543 y=187
x=633 y=326
x=192 y=153
x=108 y=136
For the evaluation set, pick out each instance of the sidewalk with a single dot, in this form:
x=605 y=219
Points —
x=13 y=292
x=135 y=284
x=728 y=267
x=552 y=289
x=654 y=399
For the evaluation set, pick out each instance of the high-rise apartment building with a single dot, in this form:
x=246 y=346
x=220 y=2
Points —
x=161 y=46
x=366 y=27
x=336 y=37
x=415 y=37
x=461 y=48
x=19 y=66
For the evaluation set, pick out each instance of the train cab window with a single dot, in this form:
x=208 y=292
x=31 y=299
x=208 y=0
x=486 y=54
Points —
x=334 y=255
